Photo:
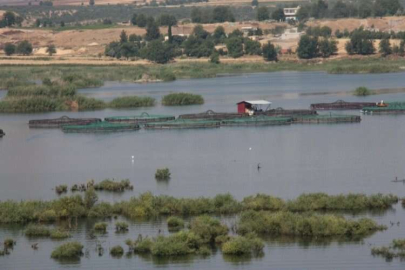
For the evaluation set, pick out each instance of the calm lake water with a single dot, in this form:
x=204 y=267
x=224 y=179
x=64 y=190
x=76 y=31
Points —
x=358 y=158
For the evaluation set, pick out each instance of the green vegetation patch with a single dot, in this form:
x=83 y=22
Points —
x=121 y=226
x=243 y=245
x=117 y=251
x=59 y=234
x=362 y=91
x=37 y=231
x=180 y=99
x=114 y=186
x=175 y=223
x=70 y=250
x=100 y=227
x=395 y=250
x=307 y=224
x=162 y=174
x=132 y=102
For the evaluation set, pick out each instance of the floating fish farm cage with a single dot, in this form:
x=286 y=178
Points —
x=326 y=119
x=183 y=124
x=60 y=122
x=391 y=108
x=211 y=115
x=100 y=127
x=258 y=121
x=342 y=105
x=140 y=119
x=282 y=112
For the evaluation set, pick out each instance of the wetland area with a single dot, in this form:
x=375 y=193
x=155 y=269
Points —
x=334 y=159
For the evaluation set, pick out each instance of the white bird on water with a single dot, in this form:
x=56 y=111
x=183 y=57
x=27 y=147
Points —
x=133 y=157
x=250 y=148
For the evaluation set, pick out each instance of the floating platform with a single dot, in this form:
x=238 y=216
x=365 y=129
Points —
x=183 y=124
x=326 y=119
x=101 y=127
x=61 y=121
x=342 y=105
x=140 y=119
x=391 y=108
x=2 y=133
x=282 y=112
x=258 y=121
x=211 y=115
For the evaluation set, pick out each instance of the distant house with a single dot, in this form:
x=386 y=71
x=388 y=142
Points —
x=291 y=13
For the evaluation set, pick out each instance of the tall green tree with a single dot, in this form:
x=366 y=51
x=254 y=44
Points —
x=9 y=18
x=308 y=47
x=92 y=2
x=158 y=52
x=278 y=15
x=235 y=47
x=222 y=14
x=262 y=14
x=9 y=49
x=141 y=20
x=152 y=31
x=269 y=52
x=51 y=49
x=255 y=3
x=24 y=48
x=134 y=19
x=327 y=47
x=219 y=34
x=123 y=37
x=340 y=10
x=385 y=47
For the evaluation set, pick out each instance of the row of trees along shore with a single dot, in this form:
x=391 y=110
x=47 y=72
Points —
x=200 y=43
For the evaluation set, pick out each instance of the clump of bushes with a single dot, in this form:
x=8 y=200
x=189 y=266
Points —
x=362 y=91
x=208 y=228
x=112 y=185
x=59 y=234
x=100 y=227
x=8 y=243
x=241 y=245
x=175 y=223
x=181 y=243
x=308 y=224
x=61 y=189
x=117 y=251
x=70 y=250
x=121 y=226
x=322 y=201
x=180 y=99
x=162 y=174
x=263 y=202
x=395 y=250
x=132 y=102
x=140 y=245
x=37 y=231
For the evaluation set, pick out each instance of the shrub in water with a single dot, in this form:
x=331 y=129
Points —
x=8 y=243
x=70 y=250
x=175 y=223
x=181 y=243
x=37 y=231
x=112 y=185
x=180 y=99
x=117 y=251
x=59 y=234
x=208 y=228
x=362 y=91
x=241 y=245
x=162 y=174
x=121 y=226
x=293 y=224
x=263 y=202
x=143 y=245
x=61 y=189
x=100 y=227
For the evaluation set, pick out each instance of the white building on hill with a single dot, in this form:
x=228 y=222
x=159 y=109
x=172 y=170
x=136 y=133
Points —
x=291 y=13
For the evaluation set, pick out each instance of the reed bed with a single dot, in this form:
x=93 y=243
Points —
x=181 y=99
x=70 y=250
x=307 y=224
x=395 y=250
x=148 y=205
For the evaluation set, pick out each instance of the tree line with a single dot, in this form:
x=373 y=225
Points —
x=362 y=9
x=10 y=19
x=200 y=43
